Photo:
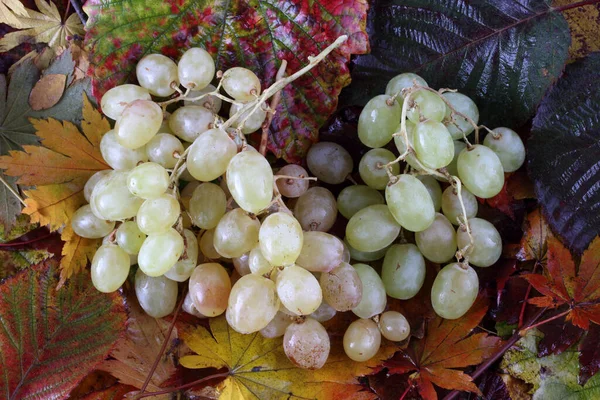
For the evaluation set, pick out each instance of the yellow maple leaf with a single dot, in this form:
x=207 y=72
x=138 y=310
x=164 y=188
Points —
x=44 y=26
x=76 y=252
x=259 y=368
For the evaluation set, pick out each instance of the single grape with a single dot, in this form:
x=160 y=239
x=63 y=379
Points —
x=372 y=168
x=87 y=225
x=183 y=268
x=195 y=68
x=306 y=344
x=236 y=234
x=210 y=287
x=365 y=256
x=111 y=199
x=164 y=149
x=480 y=170
x=424 y=105
x=276 y=328
x=342 y=287
x=210 y=154
x=241 y=84
x=403 y=271
x=410 y=203
x=91 y=183
x=434 y=189
x=110 y=268
x=252 y=304
x=372 y=228
x=362 y=340
x=438 y=242
x=242 y=264
x=189 y=307
x=394 y=326
x=508 y=146
x=138 y=124
x=210 y=102
x=451 y=204
x=433 y=144
x=454 y=291
x=487 y=244
x=250 y=181
x=354 y=198
x=148 y=180
x=329 y=162
x=252 y=123
x=129 y=237
x=158 y=215
x=298 y=290
x=280 y=239
x=189 y=122
x=378 y=121
x=292 y=188
x=324 y=313
x=160 y=251
x=458 y=126
x=403 y=81
x=207 y=205
x=207 y=247
x=321 y=252
x=119 y=157
x=257 y=263
x=110 y=239
x=346 y=254
x=316 y=210
x=116 y=99
x=187 y=192
x=459 y=146
x=374 y=298
x=156 y=73
x=399 y=141
x=156 y=295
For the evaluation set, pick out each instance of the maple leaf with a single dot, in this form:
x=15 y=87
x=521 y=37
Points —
x=259 y=368
x=76 y=252
x=563 y=284
x=445 y=347
x=10 y=10
x=43 y=26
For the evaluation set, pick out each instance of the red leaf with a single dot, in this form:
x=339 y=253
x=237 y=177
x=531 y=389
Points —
x=533 y=244
x=503 y=201
x=559 y=335
x=589 y=354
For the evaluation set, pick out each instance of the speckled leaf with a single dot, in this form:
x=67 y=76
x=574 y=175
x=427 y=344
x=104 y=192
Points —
x=254 y=34
x=503 y=54
x=52 y=339
x=564 y=154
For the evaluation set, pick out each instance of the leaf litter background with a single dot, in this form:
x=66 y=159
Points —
x=496 y=52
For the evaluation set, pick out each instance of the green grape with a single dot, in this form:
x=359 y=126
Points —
x=156 y=73
x=210 y=154
x=138 y=124
x=454 y=291
x=187 y=192
x=235 y=234
x=316 y=210
x=434 y=189
x=207 y=205
x=276 y=328
x=252 y=304
x=189 y=122
x=183 y=268
x=372 y=168
x=196 y=68
x=210 y=102
x=241 y=84
x=458 y=126
x=403 y=81
x=410 y=203
x=163 y=148
x=508 y=146
x=438 y=242
x=403 y=271
x=365 y=256
x=210 y=287
x=394 y=326
x=206 y=243
x=306 y=344
x=257 y=263
x=156 y=295
x=87 y=225
x=242 y=264
x=111 y=199
x=160 y=251
x=452 y=169
x=292 y=188
x=110 y=268
x=252 y=123
x=372 y=228
x=298 y=290
x=487 y=244
x=400 y=145
x=250 y=181
x=354 y=198
x=116 y=99
x=451 y=204
x=426 y=105
x=342 y=287
x=378 y=121
x=329 y=162
x=346 y=253
x=433 y=144
x=480 y=170
x=119 y=157
x=129 y=237
x=280 y=239
x=362 y=340
x=189 y=307
x=324 y=313
x=374 y=298
x=91 y=183
x=158 y=215
x=148 y=180
x=321 y=252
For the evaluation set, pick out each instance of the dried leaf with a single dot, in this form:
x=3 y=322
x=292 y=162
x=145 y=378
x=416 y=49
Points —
x=10 y=206
x=10 y=11
x=47 y=91
x=76 y=253
x=534 y=245
x=583 y=22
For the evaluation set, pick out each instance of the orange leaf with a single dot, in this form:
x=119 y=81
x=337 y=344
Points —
x=76 y=253
x=47 y=91
x=533 y=244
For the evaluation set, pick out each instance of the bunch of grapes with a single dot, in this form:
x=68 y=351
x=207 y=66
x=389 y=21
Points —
x=188 y=197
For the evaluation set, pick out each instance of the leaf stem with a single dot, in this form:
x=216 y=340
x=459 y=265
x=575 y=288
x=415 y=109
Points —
x=187 y=385
x=405 y=392
x=13 y=191
x=271 y=112
x=524 y=306
x=576 y=5
x=522 y=332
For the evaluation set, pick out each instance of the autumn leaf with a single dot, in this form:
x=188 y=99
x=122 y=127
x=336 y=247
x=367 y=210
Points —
x=446 y=346
x=564 y=284
x=43 y=26
x=76 y=252
x=10 y=11
x=583 y=22
x=52 y=339
x=533 y=246
x=259 y=369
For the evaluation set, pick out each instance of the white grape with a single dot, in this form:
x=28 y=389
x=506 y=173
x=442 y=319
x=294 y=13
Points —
x=164 y=149
x=119 y=157
x=158 y=215
x=210 y=287
x=129 y=237
x=252 y=123
x=372 y=228
x=156 y=73
x=329 y=162
x=207 y=205
x=110 y=268
x=250 y=181
x=210 y=102
x=236 y=233
x=116 y=99
x=160 y=252
x=156 y=295
x=138 y=123
x=183 y=268
x=374 y=298
x=189 y=122
x=281 y=239
x=148 y=180
x=210 y=155
x=91 y=183
x=252 y=304
x=87 y=225
x=298 y=290
x=195 y=68
x=241 y=84
x=111 y=199
x=459 y=126
x=508 y=146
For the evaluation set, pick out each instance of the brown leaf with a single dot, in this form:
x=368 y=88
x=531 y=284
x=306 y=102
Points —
x=47 y=91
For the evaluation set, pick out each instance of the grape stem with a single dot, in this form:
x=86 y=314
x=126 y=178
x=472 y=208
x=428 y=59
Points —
x=271 y=111
x=301 y=178
x=13 y=191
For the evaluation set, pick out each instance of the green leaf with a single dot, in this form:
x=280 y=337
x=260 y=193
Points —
x=503 y=54
x=51 y=339
x=564 y=154
x=10 y=206
x=255 y=34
